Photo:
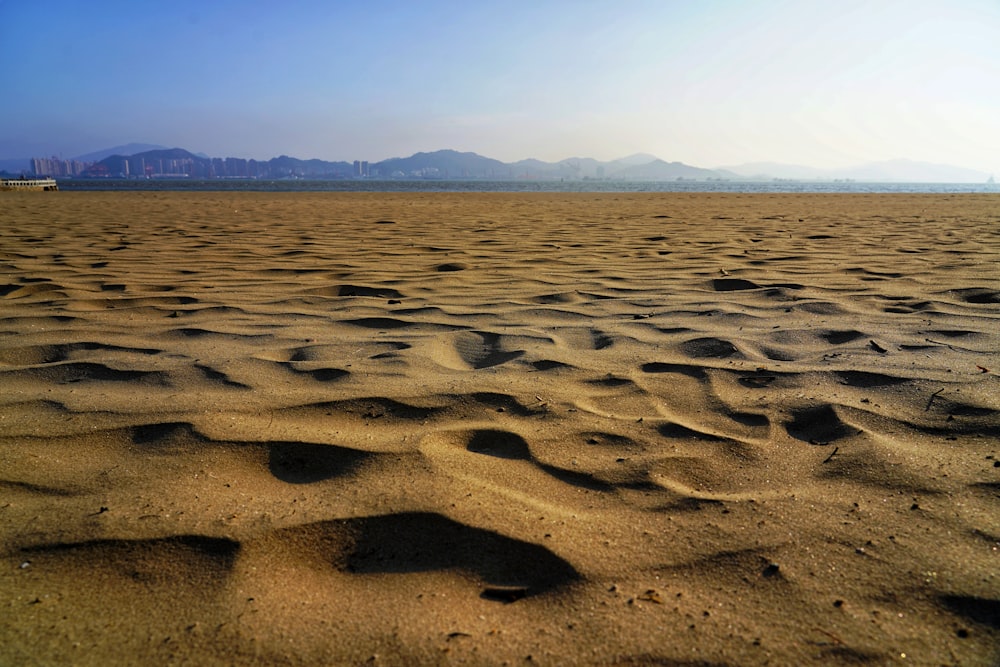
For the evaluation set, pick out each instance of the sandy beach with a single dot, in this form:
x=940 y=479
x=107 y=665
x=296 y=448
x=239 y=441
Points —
x=427 y=428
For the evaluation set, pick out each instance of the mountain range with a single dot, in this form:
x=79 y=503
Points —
x=136 y=159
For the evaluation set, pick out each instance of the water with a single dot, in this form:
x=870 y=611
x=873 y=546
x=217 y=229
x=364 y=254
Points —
x=184 y=185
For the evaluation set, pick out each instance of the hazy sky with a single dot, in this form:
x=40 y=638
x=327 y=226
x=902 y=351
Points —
x=707 y=82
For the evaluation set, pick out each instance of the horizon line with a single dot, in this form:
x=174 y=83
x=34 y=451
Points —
x=653 y=158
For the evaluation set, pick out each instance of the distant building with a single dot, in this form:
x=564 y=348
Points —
x=361 y=169
x=53 y=166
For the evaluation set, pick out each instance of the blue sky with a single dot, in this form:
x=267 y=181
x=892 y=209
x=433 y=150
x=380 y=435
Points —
x=709 y=82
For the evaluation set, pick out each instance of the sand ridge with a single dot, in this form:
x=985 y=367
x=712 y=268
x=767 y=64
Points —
x=433 y=428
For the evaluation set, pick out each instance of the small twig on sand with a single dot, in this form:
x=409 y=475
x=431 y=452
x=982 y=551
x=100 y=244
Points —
x=878 y=348
x=832 y=636
x=830 y=457
x=931 y=399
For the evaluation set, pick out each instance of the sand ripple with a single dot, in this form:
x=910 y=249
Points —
x=423 y=429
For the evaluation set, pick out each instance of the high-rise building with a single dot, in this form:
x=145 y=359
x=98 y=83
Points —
x=53 y=166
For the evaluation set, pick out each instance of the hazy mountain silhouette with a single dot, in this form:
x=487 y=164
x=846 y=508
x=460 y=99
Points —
x=913 y=171
x=127 y=149
x=770 y=170
x=658 y=170
x=909 y=171
x=443 y=164
x=451 y=164
x=636 y=159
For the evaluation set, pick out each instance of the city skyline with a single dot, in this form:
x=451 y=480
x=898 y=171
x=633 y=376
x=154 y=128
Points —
x=712 y=84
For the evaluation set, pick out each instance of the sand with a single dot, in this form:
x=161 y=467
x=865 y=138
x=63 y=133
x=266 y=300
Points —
x=674 y=429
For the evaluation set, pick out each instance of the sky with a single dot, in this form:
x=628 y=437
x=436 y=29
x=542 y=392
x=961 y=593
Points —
x=706 y=82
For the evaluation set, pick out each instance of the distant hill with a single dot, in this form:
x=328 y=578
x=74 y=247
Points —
x=291 y=166
x=658 y=170
x=118 y=164
x=127 y=149
x=636 y=159
x=638 y=167
x=771 y=170
x=442 y=164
